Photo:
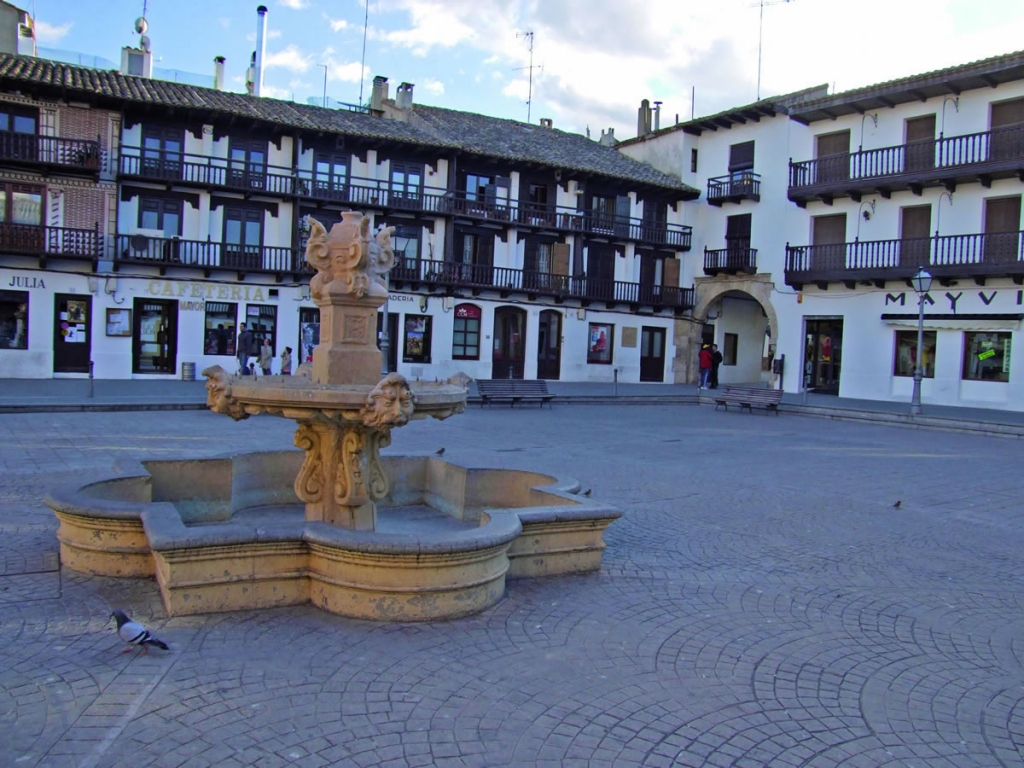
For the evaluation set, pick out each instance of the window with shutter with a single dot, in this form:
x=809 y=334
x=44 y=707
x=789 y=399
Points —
x=741 y=157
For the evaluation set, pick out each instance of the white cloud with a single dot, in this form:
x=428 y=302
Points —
x=290 y=58
x=52 y=33
x=432 y=86
x=295 y=5
x=272 y=34
x=273 y=92
x=336 y=24
x=348 y=72
x=224 y=21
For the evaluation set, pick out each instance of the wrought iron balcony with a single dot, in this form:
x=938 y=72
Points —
x=75 y=155
x=208 y=172
x=731 y=260
x=565 y=219
x=945 y=161
x=207 y=255
x=369 y=193
x=60 y=242
x=734 y=187
x=975 y=256
x=449 y=276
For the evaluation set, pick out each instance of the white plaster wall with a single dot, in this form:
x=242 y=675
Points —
x=747 y=321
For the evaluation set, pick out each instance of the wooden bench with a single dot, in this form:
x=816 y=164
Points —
x=513 y=390
x=748 y=397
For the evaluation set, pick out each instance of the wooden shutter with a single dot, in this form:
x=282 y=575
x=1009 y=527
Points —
x=741 y=156
x=915 y=222
x=833 y=144
x=560 y=258
x=920 y=151
x=1002 y=214
x=670 y=273
x=485 y=250
x=829 y=230
x=921 y=128
x=1008 y=113
x=738 y=227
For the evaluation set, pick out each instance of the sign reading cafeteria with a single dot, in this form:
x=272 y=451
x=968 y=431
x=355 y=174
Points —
x=187 y=288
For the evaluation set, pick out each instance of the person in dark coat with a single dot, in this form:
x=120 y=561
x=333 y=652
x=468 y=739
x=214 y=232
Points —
x=716 y=360
x=244 y=350
x=704 y=359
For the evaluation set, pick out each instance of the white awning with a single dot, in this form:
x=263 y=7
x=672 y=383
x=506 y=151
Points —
x=951 y=322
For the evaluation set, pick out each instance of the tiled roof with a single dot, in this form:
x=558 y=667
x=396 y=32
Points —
x=525 y=143
x=22 y=71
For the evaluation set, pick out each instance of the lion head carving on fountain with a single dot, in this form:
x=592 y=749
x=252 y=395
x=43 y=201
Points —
x=218 y=394
x=389 y=404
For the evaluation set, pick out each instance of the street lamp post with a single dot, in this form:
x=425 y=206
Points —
x=922 y=283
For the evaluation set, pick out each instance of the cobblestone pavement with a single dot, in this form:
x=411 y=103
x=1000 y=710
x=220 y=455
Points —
x=761 y=603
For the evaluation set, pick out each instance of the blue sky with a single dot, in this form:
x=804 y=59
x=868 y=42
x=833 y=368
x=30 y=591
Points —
x=596 y=59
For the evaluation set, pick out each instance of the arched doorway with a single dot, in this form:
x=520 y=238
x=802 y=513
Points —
x=735 y=313
x=549 y=345
x=509 y=342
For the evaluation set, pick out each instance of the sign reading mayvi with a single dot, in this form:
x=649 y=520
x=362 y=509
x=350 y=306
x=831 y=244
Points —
x=181 y=289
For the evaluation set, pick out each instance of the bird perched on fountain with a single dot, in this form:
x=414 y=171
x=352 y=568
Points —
x=135 y=634
x=440 y=452
x=587 y=492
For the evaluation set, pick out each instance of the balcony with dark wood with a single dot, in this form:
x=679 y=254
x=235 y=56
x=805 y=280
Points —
x=946 y=161
x=734 y=188
x=451 y=277
x=732 y=260
x=166 y=252
x=570 y=220
x=975 y=257
x=207 y=172
x=51 y=242
x=50 y=152
x=370 y=193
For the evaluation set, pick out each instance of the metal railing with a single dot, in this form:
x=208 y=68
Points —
x=596 y=223
x=945 y=255
x=174 y=251
x=448 y=274
x=739 y=185
x=985 y=148
x=206 y=171
x=35 y=239
x=731 y=259
x=50 y=150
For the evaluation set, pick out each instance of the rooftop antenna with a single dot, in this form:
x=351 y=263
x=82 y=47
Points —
x=760 y=26
x=142 y=26
x=529 y=99
x=362 y=65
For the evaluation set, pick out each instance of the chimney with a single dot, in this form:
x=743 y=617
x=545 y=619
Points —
x=403 y=97
x=657 y=115
x=261 y=50
x=218 y=73
x=643 y=118
x=138 y=61
x=547 y=122
x=379 y=94
x=607 y=139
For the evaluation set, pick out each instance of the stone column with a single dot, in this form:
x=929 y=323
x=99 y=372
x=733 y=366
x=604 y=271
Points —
x=347 y=352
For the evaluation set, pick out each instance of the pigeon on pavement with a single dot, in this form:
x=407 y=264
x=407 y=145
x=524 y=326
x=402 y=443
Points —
x=587 y=492
x=897 y=504
x=135 y=634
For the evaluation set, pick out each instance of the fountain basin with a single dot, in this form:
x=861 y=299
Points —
x=229 y=534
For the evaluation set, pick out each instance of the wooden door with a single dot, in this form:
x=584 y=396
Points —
x=651 y=271
x=155 y=336
x=1007 y=121
x=920 y=143
x=1002 y=229
x=652 y=354
x=737 y=241
x=72 y=332
x=549 y=345
x=829 y=241
x=915 y=242
x=832 y=157
x=600 y=271
x=509 y=343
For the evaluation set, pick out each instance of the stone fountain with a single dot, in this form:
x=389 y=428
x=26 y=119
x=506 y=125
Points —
x=273 y=528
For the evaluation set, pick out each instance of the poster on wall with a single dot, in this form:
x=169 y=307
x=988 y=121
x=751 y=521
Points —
x=309 y=335
x=119 y=322
x=76 y=311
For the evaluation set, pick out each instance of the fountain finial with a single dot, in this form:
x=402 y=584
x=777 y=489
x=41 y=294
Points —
x=347 y=259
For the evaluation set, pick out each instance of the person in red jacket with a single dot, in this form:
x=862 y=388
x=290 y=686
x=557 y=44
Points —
x=705 y=366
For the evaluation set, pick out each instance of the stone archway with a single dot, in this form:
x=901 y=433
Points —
x=707 y=292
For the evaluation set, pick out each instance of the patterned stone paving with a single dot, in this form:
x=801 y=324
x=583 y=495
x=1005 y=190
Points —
x=761 y=603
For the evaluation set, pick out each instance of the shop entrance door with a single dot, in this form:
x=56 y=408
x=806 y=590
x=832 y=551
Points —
x=509 y=338
x=549 y=345
x=652 y=354
x=823 y=355
x=72 y=334
x=393 y=338
x=155 y=336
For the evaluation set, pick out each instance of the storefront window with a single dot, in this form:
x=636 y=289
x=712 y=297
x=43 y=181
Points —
x=987 y=356
x=21 y=204
x=466 y=336
x=262 y=321
x=220 y=329
x=13 y=319
x=417 y=339
x=906 y=354
x=599 y=349
x=309 y=332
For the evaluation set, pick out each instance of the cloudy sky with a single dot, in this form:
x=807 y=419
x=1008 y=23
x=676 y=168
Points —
x=594 y=59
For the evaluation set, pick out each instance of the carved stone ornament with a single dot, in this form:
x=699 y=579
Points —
x=389 y=404
x=347 y=260
x=460 y=379
x=218 y=394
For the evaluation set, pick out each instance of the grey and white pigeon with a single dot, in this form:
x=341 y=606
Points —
x=135 y=634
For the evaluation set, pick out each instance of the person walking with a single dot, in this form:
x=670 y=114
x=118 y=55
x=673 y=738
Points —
x=704 y=359
x=266 y=357
x=716 y=360
x=244 y=349
x=286 y=362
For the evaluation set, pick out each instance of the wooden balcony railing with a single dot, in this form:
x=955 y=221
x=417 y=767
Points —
x=505 y=280
x=1000 y=151
x=731 y=260
x=206 y=171
x=677 y=236
x=734 y=187
x=205 y=254
x=70 y=154
x=994 y=254
x=65 y=242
